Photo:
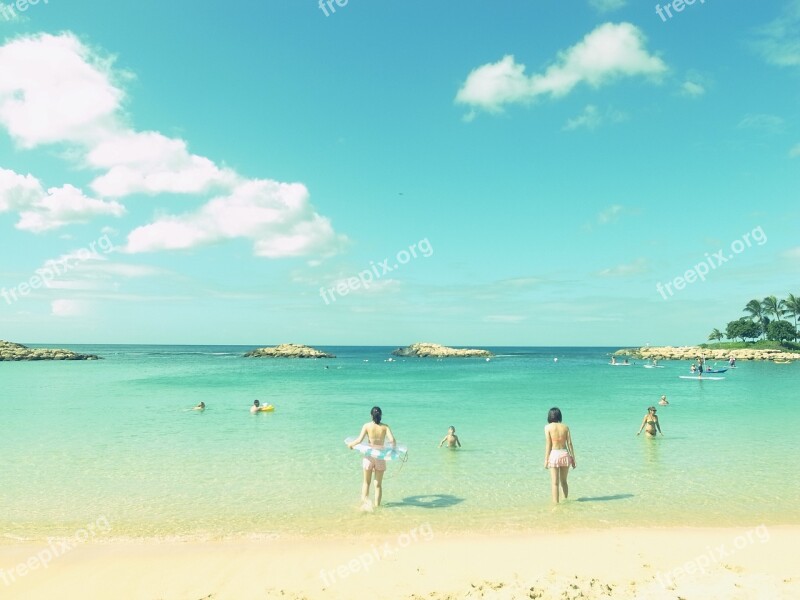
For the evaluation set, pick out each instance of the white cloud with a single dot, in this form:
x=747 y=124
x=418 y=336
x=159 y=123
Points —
x=625 y=270
x=608 y=53
x=605 y=6
x=68 y=308
x=767 y=123
x=779 y=41
x=151 y=163
x=41 y=210
x=610 y=214
x=795 y=152
x=18 y=191
x=692 y=89
x=792 y=253
x=54 y=89
x=64 y=206
x=591 y=118
x=277 y=217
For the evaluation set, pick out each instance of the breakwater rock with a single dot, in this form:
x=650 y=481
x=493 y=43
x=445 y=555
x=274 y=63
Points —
x=695 y=352
x=288 y=351
x=426 y=350
x=11 y=351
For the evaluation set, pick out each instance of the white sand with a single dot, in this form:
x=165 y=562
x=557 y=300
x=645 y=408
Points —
x=735 y=563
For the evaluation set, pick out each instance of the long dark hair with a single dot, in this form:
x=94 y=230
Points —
x=376 y=413
x=554 y=416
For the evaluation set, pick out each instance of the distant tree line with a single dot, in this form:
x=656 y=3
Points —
x=764 y=321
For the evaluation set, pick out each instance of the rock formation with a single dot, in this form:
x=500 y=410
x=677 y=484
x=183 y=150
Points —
x=425 y=350
x=11 y=351
x=695 y=352
x=288 y=351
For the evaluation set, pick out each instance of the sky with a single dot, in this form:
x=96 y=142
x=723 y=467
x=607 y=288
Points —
x=521 y=173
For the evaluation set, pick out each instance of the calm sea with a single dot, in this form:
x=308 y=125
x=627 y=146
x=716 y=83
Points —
x=113 y=438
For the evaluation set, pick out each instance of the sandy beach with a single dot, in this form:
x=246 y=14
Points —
x=736 y=563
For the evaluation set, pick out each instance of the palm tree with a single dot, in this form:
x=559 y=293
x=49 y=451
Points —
x=772 y=306
x=792 y=304
x=716 y=335
x=756 y=311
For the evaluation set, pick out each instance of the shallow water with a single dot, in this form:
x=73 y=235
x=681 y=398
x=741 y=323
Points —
x=114 y=439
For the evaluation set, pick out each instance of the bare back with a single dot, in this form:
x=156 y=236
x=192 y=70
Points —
x=377 y=433
x=558 y=434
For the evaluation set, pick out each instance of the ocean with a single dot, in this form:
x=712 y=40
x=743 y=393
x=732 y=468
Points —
x=116 y=439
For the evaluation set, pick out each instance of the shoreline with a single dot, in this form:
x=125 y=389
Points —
x=694 y=352
x=419 y=563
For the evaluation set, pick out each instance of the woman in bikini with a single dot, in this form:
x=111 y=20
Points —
x=377 y=433
x=559 y=455
x=650 y=423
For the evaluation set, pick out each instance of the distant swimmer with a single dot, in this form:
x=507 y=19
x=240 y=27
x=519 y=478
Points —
x=650 y=423
x=451 y=438
x=559 y=455
x=257 y=407
x=663 y=401
x=201 y=406
x=613 y=360
x=377 y=433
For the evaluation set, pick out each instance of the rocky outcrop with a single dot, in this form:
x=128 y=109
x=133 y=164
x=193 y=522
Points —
x=425 y=350
x=11 y=351
x=288 y=351
x=695 y=352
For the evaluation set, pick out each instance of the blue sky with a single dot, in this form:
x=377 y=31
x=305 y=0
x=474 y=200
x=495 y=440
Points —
x=181 y=172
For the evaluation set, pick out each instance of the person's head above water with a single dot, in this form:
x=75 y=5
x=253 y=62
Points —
x=256 y=403
x=376 y=413
x=554 y=415
x=202 y=405
x=451 y=429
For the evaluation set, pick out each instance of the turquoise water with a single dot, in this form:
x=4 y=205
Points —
x=113 y=438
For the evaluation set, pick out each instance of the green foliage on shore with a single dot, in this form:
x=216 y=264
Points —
x=764 y=320
x=759 y=345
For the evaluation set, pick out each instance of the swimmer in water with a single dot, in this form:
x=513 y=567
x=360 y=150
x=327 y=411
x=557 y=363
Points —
x=377 y=433
x=256 y=406
x=650 y=423
x=451 y=438
x=559 y=455
x=201 y=406
x=663 y=401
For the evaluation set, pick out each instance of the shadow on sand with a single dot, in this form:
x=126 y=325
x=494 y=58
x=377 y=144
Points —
x=427 y=501
x=605 y=498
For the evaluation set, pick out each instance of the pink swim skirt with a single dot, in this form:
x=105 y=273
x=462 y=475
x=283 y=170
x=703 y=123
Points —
x=560 y=458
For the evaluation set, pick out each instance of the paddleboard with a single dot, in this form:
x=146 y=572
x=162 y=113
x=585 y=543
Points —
x=620 y=364
x=385 y=453
x=653 y=367
x=700 y=378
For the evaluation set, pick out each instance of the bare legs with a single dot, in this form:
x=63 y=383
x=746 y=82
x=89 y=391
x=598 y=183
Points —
x=559 y=475
x=365 y=485
x=378 y=486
